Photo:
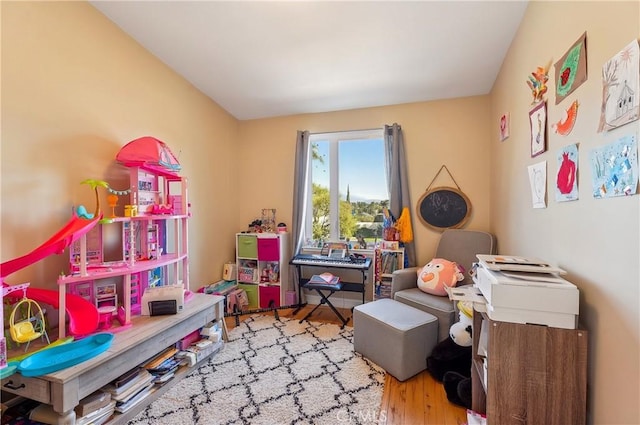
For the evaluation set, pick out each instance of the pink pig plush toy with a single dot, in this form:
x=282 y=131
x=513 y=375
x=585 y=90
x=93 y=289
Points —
x=437 y=274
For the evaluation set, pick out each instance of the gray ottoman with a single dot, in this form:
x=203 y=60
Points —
x=395 y=336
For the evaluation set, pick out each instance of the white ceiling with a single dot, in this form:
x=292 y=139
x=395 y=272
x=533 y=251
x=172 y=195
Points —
x=266 y=58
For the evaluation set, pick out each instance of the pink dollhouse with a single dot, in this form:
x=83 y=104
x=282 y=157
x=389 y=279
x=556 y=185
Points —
x=153 y=236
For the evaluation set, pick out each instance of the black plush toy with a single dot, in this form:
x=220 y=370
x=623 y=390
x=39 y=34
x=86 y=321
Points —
x=447 y=356
x=458 y=388
x=450 y=360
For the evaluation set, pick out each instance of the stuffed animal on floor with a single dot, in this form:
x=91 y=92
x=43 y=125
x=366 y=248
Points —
x=458 y=388
x=437 y=274
x=450 y=360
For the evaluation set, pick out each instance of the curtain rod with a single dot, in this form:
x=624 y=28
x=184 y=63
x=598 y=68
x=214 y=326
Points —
x=347 y=131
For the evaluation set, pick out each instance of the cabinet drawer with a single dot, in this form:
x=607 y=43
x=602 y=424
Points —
x=247 y=246
x=32 y=388
x=268 y=249
x=252 y=294
x=269 y=296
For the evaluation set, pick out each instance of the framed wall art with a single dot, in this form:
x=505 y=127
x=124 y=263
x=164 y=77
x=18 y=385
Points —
x=538 y=125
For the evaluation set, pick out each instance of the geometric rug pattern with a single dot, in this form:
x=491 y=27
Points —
x=276 y=372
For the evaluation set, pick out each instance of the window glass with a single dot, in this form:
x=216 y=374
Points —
x=348 y=187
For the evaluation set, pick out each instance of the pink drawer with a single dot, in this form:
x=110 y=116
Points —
x=269 y=296
x=268 y=249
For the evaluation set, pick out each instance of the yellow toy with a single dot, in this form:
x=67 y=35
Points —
x=25 y=330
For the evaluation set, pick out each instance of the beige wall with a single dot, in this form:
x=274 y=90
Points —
x=451 y=132
x=75 y=89
x=595 y=240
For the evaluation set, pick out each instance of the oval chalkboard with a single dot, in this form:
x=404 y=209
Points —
x=444 y=208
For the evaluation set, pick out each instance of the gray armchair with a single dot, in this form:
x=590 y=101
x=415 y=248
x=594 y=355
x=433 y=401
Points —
x=456 y=245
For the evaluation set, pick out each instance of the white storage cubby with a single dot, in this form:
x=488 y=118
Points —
x=262 y=260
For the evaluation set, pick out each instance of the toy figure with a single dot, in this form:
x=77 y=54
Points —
x=450 y=360
x=437 y=274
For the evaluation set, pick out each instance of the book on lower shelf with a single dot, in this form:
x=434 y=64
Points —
x=44 y=414
x=123 y=407
x=99 y=416
x=324 y=278
x=383 y=290
x=124 y=393
x=92 y=402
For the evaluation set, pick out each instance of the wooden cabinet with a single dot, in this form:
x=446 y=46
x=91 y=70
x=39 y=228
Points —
x=262 y=261
x=528 y=374
x=386 y=262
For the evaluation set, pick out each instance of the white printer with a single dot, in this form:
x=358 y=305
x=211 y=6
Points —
x=161 y=300
x=521 y=290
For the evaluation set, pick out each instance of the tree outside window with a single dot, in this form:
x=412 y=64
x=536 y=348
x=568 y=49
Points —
x=348 y=182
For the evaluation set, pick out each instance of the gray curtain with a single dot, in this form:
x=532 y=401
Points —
x=300 y=187
x=398 y=181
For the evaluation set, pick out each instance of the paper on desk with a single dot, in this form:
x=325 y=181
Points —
x=466 y=293
x=517 y=263
x=535 y=277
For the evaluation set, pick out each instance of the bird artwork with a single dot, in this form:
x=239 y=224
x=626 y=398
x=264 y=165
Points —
x=537 y=82
x=565 y=125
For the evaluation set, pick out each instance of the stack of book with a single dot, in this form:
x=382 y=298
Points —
x=389 y=262
x=99 y=416
x=128 y=390
x=383 y=289
x=95 y=408
x=204 y=348
x=324 y=279
x=163 y=367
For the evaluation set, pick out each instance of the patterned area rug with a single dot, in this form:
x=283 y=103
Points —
x=276 y=372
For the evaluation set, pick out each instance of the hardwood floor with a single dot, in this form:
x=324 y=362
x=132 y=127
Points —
x=416 y=401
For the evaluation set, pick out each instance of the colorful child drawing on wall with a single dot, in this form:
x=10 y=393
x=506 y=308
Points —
x=614 y=168
x=566 y=181
x=566 y=123
x=620 y=88
x=504 y=127
x=537 y=82
x=571 y=69
x=538 y=183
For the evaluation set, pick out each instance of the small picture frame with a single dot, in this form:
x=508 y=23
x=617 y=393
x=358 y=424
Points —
x=538 y=126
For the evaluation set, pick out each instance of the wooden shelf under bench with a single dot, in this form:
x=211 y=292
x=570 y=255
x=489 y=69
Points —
x=147 y=337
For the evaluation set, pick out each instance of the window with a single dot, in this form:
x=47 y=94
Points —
x=348 y=186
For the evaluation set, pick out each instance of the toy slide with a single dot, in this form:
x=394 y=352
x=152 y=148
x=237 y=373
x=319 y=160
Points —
x=83 y=315
x=71 y=232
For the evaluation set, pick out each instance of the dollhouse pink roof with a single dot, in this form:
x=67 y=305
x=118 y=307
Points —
x=149 y=153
